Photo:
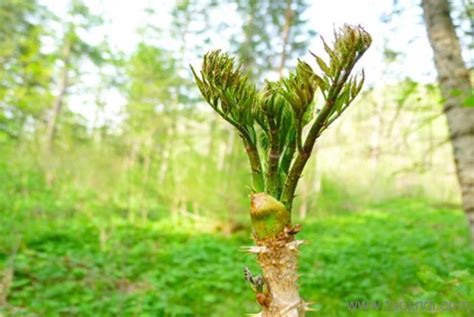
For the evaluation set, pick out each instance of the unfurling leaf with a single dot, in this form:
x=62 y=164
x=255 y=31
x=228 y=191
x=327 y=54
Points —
x=321 y=83
x=322 y=65
x=226 y=88
x=299 y=89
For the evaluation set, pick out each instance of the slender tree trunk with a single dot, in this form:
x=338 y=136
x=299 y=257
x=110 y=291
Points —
x=285 y=37
x=227 y=163
x=167 y=153
x=303 y=210
x=58 y=102
x=55 y=114
x=455 y=85
x=135 y=147
x=375 y=135
x=147 y=163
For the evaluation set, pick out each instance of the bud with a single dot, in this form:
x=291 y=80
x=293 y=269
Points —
x=299 y=89
x=269 y=216
x=366 y=38
x=267 y=96
x=351 y=42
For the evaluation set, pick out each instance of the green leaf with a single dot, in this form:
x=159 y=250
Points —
x=328 y=50
x=321 y=83
x=325 y=68
x=343 y=98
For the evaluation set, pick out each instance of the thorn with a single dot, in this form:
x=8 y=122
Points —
x=308 y=308
x=292 y=230
x=255 y=249
x=255 y=315
x=293 y=245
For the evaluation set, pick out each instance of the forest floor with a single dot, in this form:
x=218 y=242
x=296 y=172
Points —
x=71 y=265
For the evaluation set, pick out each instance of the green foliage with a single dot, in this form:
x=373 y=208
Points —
x=228 y=91
x=150 y=85
x=390 y=260
x=26 y=70
x=68 y=262
x=282 y=109
x=144 y=209
x=38 y=61
x=81 y=19
x=298 y=90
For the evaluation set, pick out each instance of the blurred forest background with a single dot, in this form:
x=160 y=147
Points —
x=122 y=194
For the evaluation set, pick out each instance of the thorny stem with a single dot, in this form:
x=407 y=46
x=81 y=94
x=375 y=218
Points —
x=282 y=110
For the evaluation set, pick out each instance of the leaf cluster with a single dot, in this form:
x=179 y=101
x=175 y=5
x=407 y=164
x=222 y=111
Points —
x=272 y=121
x=228 y=90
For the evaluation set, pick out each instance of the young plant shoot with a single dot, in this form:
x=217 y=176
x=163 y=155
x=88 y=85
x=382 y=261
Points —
x=279 y=127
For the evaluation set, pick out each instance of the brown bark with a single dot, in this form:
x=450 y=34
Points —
x=278 y=258
x=455 y=86
x=279 y=266
x=277 y=253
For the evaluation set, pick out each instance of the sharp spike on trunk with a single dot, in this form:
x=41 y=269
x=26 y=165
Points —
x=294 y=245
x=308 y=308
x=279 y=266
x=255 y=249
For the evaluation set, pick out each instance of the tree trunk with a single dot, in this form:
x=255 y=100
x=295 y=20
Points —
x=285 y=37
x=303 y=210
x=375 y=135
x=167 y=154
x=135 y=147
x=455 y=86
x=58 y=102
x=279 y=261
x=147 y=163
x=277 y=253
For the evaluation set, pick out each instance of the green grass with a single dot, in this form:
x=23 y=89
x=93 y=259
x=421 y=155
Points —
x=401 y=250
